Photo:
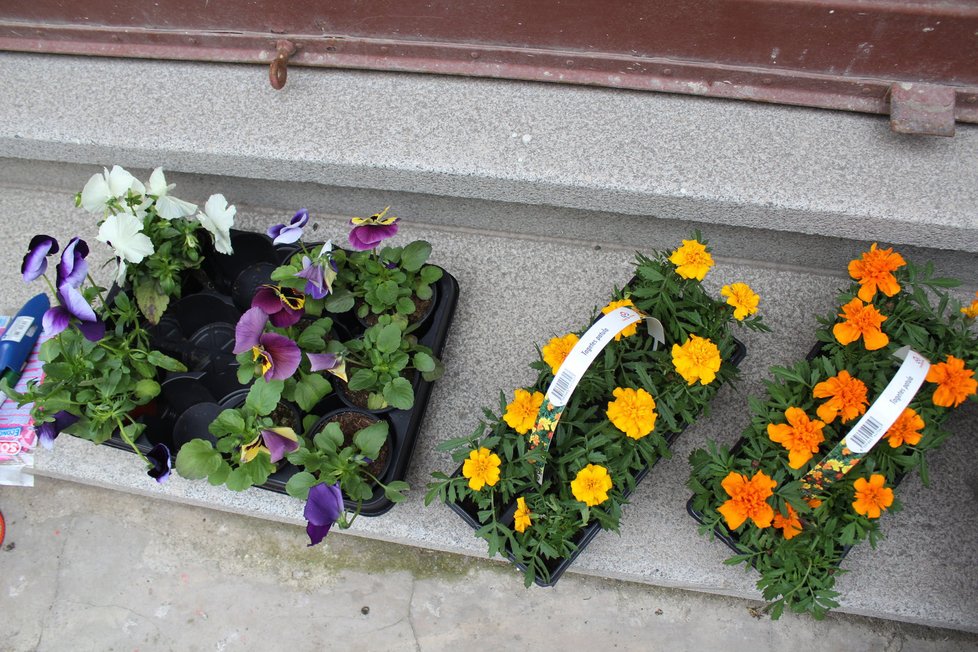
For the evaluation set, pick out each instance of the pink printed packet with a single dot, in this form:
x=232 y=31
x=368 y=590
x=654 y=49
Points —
x=17 y=435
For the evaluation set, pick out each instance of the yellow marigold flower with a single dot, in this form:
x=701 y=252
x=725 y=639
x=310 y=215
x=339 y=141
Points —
x=874 y=271
x=692 y=260
x=697 y=359
x=801 y=436
x=789 y=525
x=742 y=298
x=482 y=468
x=872 y=497
x=906 y=429
x=954 y=382
x=556 y=350
x=861 y=321
x=748 y=500
x=632 y=411
x=629 y=330
x=521 y=414
x=592 y=484
x=971 y=311
x=847 y=397
x=522 y=515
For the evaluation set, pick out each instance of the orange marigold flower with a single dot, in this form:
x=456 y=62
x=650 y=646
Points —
x=814 y=503
x=742 y=298
x=692 y=260
x=522 y=515
x=872 y=497
x=748 y=500
x=632 y=411
x=861 y=321
x=591 y=485
x=790 y=525
x=801 y=436
x=521 y=414
x=557 y=349
x=629 y=330
x=954 y=382
x=874 y=271
x=906 y=429
x=971 y=311
x=697 y=359
x=847 y=397
x=482 y=468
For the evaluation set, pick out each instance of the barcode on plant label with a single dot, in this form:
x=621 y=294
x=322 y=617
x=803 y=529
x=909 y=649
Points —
x=865 y=435
x=563 y=384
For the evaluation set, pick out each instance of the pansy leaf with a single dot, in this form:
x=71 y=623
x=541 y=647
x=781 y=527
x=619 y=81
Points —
x=152 y=300
x=310 y=390
x=146 y=389
x=264 y=396
x=370 y=439
x=298 y=485
x=376 y=401
x=239 y=478
x=362 y=379
x=389 y=339
x=386 y=293
x=283 y=273
x=405 y=306
x=435 y=373
x=394 y=491
x=227 y=422
x=414 y=255
x=219 y=476
x=339 y=301
x=430 y=274
x=423 y=292
x=423 y=362
x=330 y=438
x=313 y=337
x=197 y=459
x=399 y=393
x=165 y=362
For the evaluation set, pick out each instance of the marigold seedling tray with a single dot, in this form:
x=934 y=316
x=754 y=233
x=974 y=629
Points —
x=468 y=511
x=405 y=425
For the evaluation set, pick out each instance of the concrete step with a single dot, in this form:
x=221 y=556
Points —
x=924 y=572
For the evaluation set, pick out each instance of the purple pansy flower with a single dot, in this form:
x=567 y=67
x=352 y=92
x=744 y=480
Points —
x=323 y=507
x=278 y=356
x=160 y=458
x=319 y=276
x=48 y=431
x=36 y=260
x=277 y=442
x=331 y=362
x=73 y=268
x=284 y=306
x=368 y=232
x=73 y=306
x=291 y=232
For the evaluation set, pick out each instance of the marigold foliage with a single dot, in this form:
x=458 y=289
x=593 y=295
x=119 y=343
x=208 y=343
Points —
x=626 y=409
x=797 y=570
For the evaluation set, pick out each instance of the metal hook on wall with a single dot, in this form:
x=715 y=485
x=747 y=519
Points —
x=278 y=72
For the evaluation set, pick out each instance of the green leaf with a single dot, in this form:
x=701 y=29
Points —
x=424 y=292
x=165 y=361
x=376 y=401
x=310 y=390
x=395 y=491
x=264 y=395
x=152 y=300
x=313 y=337
x=399 y=393
x=330 y=438
x=221 y=475
x=227 y=422
x=362 y=379
x=239 y=479
x=147 y=389
x=299 y=484
x=430 y=274
x=387 y=293
x=340 y=301
x=405 y=306
x=370 y=439
x=423 y=362
x=389 y=339
x=197 y=459
x=415 y=255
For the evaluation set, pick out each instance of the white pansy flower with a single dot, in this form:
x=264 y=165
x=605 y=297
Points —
x=103 y=188
x=218 y=218
x=168 y=207
x=124 y=233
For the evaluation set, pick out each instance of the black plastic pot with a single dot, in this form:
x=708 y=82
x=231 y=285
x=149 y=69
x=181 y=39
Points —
x=389 y=445
x=469 y=511
x=248 y=281
x=249 y=248
x=194 y=423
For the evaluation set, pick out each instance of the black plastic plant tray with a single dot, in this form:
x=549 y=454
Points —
x=404 y=424
x=468 y=511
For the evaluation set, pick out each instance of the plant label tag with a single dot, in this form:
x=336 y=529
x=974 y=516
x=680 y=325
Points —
x=581 y=356
x=872 y=426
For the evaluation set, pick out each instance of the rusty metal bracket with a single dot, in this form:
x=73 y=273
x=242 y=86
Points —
x=278 y=72
x=923 y=109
